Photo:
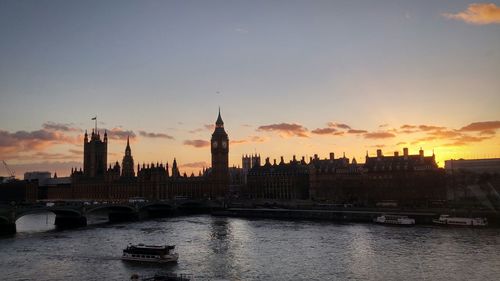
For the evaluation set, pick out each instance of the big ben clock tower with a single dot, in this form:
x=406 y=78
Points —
x=220 y=157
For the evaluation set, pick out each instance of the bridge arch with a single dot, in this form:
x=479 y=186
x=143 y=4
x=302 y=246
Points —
x=117 y=212
x=156 y=204
x=57 y=212
x=120 y=207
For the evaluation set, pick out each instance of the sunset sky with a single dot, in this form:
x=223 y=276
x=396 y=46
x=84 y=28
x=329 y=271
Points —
x=291 y=78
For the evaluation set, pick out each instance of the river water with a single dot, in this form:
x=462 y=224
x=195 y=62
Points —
x=217 y=248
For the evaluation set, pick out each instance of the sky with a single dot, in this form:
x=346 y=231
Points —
x=291 y=78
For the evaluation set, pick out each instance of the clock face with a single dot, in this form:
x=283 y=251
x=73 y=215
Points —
x=224 y=144
x=214 y=144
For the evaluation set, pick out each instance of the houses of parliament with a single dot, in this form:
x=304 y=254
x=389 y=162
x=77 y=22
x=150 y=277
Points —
x=413 y=180
x=97 y=181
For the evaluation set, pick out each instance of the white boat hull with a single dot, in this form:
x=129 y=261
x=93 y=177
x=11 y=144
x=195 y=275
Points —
x=457 y=221
x=393 y=220
x=153 y=259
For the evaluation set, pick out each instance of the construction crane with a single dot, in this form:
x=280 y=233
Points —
x=11 y=173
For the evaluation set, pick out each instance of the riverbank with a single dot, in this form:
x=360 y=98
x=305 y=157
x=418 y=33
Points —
x=352 y=215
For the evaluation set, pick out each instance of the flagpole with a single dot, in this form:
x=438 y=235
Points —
x=95 y=118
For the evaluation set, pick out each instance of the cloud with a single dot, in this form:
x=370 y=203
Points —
x=379 y=135
x=250 y=139
x=25 y=141
x=194 y=131
x=469 y=139
x=195 y=165
x=197 y=143
x=410 y=129
x=424 y=139
x=208 y=127
x=285 y=129
x=482 y=126
x=238 y=141
x=52 y=126
x=401 y=143
x=444 y=134
x=383 y=125
x=465 y=140
x=54 y=156
x=478 y=14
x=155 y=135
x=487 y=132
x=338 y=125
x=76 y=151
x=353 y=131
x=118 y=133
x=406 y=127
x=324 y=131
x=426 y=128
x=63 y=168
x=257 y=139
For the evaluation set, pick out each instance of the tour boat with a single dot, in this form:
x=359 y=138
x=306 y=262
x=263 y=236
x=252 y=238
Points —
x=458 y=221
x=150 y=253
x=394 y=220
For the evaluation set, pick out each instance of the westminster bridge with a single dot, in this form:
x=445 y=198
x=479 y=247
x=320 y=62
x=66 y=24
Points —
x=74 y=213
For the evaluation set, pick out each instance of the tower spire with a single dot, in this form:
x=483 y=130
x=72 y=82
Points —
x=219 y=123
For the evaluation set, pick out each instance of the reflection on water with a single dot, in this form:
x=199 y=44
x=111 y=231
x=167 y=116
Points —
x=238 y=249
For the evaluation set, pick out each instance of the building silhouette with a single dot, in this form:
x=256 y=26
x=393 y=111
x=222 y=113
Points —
x=128 y=162
x=220 y=157
x=95 y=154
x=153 y=181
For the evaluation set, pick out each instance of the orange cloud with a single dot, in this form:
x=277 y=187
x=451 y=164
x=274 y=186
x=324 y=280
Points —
x=62 y=168
x=487 y=132
x=238 y=141
x=324 y=131
x=197 y=143
x=257 y=139
x=24 y=141
x=426 y=128
x=353 y=131
x=195 y=165
x=286 y=129
x=445 y=134
x=55 y=156
x=465 y=140
x=338 y=125
x=250 y=139
x=406 y=127
x=478 y=13
x=425 y=139
x=379 y=135
x=482 y=126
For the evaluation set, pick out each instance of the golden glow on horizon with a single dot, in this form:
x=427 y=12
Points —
x=476 y=140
